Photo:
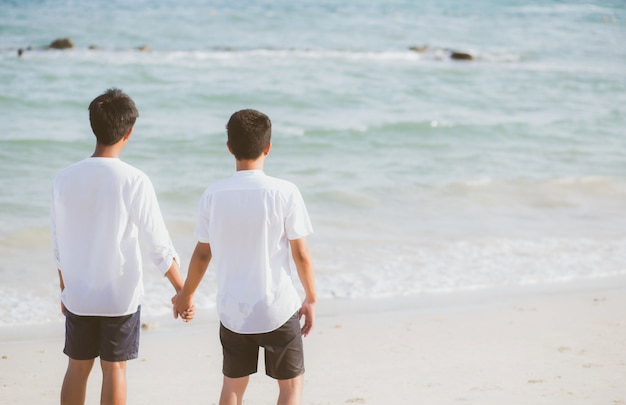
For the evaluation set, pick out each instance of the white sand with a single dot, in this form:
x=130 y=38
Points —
x=562 y=345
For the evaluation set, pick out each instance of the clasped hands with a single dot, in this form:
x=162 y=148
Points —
x=183 y=307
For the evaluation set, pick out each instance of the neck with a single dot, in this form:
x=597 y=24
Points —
x=256 y=164
x=108 y=151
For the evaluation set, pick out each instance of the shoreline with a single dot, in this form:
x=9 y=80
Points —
x=562 y=343
x=426 y=303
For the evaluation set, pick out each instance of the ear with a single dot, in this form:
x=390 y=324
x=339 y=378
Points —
x=267 y=148
x=130 y=131
x=229 y=148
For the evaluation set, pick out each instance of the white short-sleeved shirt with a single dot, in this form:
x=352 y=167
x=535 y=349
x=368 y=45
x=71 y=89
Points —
x=100 y=209
x=248 y=219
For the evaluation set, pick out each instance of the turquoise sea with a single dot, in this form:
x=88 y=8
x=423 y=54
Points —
x=422 y=174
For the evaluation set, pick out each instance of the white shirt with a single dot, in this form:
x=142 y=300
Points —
x=100 y=209
x=248 y=219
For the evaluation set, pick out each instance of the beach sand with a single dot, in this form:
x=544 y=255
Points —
x=565 y=344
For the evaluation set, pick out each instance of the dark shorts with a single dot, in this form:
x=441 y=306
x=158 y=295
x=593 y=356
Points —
x=284 y=357
x=113 y=338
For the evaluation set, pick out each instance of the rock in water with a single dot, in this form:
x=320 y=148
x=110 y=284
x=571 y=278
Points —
x=62 y=43
x=461 y=56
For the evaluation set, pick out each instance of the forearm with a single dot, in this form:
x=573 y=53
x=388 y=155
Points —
x=304 y=265
x=183 y=301
x=197 y=268
x=61 y=283
x=174 y=277
x=62 y=286
x=307 y=278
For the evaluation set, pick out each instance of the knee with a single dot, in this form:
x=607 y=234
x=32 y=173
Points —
x=113 y=366
x=292 y=383
x=291 y=390
x=80 y=367
x=237 y=385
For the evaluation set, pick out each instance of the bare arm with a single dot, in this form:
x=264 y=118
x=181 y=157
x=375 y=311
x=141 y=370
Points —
x=62 y=285
x=304 y=265
x=174 y=277
x=197 y=268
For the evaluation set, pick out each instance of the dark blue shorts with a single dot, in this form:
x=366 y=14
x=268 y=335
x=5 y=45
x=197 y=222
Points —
x=114 y=338
x=284 y=356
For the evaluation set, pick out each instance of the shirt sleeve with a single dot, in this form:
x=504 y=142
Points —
x=152 y=230
x=201 y=231
x=297 y=221
x=53 y=230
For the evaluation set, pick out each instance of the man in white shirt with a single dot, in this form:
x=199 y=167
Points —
x=100 y=208
x=248 y=225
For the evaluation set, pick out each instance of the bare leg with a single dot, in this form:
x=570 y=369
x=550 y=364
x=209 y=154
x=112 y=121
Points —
x=74 y=387
x=113 y=383
x=233 y=389
x=290 y=391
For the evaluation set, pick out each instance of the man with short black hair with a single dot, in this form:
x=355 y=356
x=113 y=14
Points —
x=248 y=225
x=100 y=209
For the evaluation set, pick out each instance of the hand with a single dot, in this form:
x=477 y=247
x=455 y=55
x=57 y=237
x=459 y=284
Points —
x=308 y=311
x=183 y=307
x=63 y=310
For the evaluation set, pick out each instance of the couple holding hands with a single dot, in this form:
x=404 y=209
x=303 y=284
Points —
x=249 y=226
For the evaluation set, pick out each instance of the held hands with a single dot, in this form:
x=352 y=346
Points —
x=184 y=307
x=308 y=311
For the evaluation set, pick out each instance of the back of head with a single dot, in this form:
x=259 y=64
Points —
x=112 y=115
x=249 y=133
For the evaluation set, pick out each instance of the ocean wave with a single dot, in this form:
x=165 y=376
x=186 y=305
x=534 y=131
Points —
x=459 y=265
x=133 y=55
x=604 y=186
x=582 y=9
x=575 y=203
x=372 y=269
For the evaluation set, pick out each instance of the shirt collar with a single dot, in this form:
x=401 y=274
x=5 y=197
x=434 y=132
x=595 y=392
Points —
x=247 y=173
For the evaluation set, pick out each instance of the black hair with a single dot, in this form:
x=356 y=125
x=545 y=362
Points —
x=112 y=115
x=249 y=133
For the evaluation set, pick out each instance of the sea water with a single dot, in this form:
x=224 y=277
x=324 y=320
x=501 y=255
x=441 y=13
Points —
x=422 y=174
